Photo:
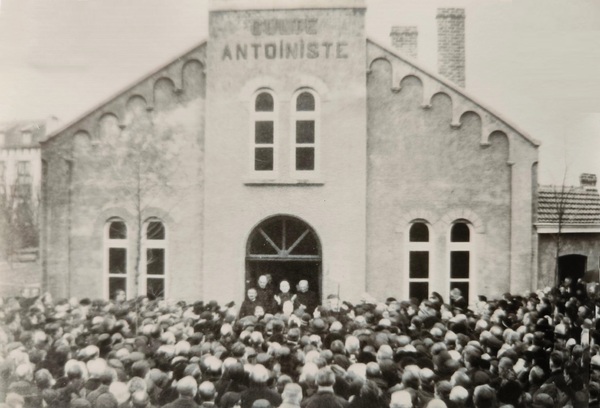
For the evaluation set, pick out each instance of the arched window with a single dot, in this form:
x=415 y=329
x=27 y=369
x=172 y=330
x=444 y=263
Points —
x=305 y=154
x=418 y=260
x=154 y=243
x=263 y=132
x=461 y=257
x=115 y=259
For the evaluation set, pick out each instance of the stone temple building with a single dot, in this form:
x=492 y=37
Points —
x=290 y=144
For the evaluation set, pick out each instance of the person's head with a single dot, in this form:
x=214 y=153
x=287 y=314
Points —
x=137 y=384
x=14 y=400
x=120 y=295
x=140 y=399
x=284 y=286
x=262 y=281
x=259 y=374
x=352 y=345
x=460 y=378
x=556 y=360
x=442 y=389
x=536 y=376
x=333 y=301
x=292 y=394
x=207 y=391
x=484 y=396
x=459 y=395
x=282 y=381
x=401 y=399
x=259 y=312
x=370 y=391
x=187 y=387
x=120 y=391
x=325 y=377
x=303 y=286
x=43 y=379
x=252 y=294
x=106 y=400
x=455 y=294
x=75 y=369
x=411 y=379
x=24 y=372
x=77 y=403
x=96 y=367
x=261 y=403
x=436 y=403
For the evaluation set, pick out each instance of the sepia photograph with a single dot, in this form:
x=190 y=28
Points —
x=299 y=203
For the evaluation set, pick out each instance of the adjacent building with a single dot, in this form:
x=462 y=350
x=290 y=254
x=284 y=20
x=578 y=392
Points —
x=568 y=225
x=20 y=177
x=292 y=145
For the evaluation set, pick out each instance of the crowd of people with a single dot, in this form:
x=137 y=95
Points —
x=284 y=349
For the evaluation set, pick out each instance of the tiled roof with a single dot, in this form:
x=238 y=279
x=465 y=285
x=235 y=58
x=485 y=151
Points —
x=578 y=205
x=13 y=132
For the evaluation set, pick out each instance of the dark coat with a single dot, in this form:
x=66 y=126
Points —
x=182 y=403
x=324 y=399
x=260 y=392
x=308 y=299
x=247 y=308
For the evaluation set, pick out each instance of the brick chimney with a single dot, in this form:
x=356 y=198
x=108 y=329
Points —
x=404 y=38
x=451 y=44
x=588 y=181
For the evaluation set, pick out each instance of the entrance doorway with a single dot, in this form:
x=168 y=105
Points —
x=571 y=266
x=285 y=248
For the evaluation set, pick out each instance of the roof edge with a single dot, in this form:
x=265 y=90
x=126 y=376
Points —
x=552 y=228
x=119 y=93
x=243 y=5
x=460 y=91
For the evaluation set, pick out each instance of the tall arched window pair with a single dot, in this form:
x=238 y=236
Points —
x=119 y=271
x=304 y=127
x=459 y=256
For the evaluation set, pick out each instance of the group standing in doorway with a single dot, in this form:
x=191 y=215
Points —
x=262 y=299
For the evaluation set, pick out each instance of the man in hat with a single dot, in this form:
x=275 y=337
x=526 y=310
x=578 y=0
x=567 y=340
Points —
x=186 y=389
x=292 y=395
x=208 y=394
x=325 y=397
x=258 y=389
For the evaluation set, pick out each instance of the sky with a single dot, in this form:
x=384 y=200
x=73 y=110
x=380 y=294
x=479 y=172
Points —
x=536 y=62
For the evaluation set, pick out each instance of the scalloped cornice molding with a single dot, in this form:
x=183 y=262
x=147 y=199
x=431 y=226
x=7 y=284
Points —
x=461 y=103
x=144 y=88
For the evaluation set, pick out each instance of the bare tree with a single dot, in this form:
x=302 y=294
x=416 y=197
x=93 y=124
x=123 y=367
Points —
x=561 y=197
x=139 y=165
x=19 y=208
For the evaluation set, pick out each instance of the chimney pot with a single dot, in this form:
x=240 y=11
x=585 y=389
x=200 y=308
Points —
x=405 y=39
x=587 y=180
x=451 y=44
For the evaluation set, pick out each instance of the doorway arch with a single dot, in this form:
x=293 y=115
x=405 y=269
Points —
x=571 y=266
x=286 y=248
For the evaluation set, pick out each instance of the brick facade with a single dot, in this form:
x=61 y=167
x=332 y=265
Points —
x=394 y=145
x=406 y=40
x=451 y=44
